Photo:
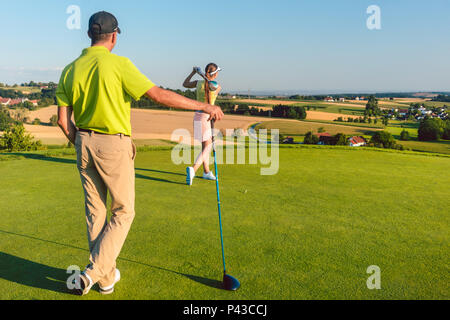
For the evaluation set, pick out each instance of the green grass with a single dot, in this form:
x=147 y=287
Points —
x=428 y=146
x=309 y=232
x=333 y=108
x=396 y=127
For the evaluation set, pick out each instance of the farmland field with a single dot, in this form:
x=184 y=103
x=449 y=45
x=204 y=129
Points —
x=311 y=230
x=295 y=127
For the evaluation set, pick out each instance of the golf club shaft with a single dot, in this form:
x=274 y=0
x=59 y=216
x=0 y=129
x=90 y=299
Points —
x=218 y=194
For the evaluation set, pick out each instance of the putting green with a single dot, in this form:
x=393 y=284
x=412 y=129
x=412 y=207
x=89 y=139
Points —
x=309 y=232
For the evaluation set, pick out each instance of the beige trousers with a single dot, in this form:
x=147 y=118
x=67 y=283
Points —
x=106 y=163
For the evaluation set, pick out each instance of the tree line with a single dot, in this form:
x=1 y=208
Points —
x=442 y=98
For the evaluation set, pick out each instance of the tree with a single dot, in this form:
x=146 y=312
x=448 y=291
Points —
x=383 y=139
x=404 y=135
x=310 y=138
x=16 y=138
x=5 y=120
x=372 y=108
x=340 y=139
x=446 y=134
x=301 y=112
x=432 y=129
x=28 y=105
x=291 y=114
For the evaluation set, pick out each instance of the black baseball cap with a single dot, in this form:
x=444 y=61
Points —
x=103 y=22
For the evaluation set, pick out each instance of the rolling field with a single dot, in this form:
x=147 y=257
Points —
x=146 y=124
x=309 y=232
x=295 y=127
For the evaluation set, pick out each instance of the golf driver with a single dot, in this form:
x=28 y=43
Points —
x=213 y=85
x=229 y=282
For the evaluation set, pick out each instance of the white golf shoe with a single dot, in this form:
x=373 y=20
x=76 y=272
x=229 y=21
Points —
x=209 y=176
x=110 y=289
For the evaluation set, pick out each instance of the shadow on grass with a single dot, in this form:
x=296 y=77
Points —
x=37 y=275
x=159 y=171
x=32 y=274
x=140 y=176
x=35 y=156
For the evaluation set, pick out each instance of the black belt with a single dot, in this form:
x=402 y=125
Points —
x=107 y=134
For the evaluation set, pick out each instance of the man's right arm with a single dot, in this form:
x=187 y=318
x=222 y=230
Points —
x=66 y=124
x=174 y=100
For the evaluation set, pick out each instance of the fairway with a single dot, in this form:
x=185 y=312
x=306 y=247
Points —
x=309 y=232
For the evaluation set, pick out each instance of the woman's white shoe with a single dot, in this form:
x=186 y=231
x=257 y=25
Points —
x=209 y=176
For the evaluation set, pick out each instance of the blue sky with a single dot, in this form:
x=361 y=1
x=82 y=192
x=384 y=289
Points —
x=321 y=45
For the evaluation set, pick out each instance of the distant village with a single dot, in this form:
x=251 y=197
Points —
x=418 y=113
x=14 y=102
x=19 y=96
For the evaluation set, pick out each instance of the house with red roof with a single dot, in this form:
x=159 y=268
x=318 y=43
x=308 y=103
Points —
x=357 y=141
x=4 y=101
x=14 y=102
x=324 y=138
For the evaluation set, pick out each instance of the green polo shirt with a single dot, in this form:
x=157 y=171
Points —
x=99 y=86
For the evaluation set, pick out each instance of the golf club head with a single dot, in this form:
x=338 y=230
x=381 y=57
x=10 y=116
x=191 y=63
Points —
x=230 y=282
x=200 y=73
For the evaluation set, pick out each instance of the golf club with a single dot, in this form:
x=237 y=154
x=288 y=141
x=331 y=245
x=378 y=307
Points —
x=213 y=85
x=229 y=282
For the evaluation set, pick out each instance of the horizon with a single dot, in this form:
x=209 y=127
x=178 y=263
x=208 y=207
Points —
x=324 y=48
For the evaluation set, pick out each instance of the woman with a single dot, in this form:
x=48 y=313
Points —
x=202 y=125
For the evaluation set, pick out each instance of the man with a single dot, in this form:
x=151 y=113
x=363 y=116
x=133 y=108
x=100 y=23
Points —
x=97 y=88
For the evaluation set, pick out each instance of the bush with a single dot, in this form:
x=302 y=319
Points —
x=36 y=122
x=404 y=135
x=54 y=120
x=310 y=138
x=383 y=139
x=16 y=138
